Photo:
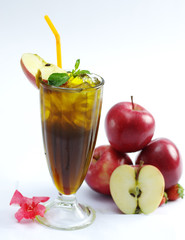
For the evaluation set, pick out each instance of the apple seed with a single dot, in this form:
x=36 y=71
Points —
x=135 y=192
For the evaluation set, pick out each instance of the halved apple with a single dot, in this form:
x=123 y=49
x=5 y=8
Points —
x=34 y=66
x=137 y=189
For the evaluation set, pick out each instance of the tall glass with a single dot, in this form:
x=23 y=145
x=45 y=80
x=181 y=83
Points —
x=70 y=119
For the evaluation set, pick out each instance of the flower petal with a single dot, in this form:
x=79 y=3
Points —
x=37 y=200
x=40 y=210
x=17 y=198
x=19 y=215
x=30 y=207
x=30 y=214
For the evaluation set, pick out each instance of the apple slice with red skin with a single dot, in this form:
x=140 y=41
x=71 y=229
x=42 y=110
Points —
x=137 y=189
x=34 y=67
x=105 y=160
x=30 y=64
x=163 y=154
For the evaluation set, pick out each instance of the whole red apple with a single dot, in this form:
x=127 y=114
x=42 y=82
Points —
x=129 y=127
x=163 y=154
x=105 y=160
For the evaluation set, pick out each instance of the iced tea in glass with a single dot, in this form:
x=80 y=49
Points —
x=70 y=118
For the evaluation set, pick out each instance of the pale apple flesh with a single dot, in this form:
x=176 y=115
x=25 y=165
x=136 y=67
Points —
x=30 y=64
x=34 y=67
x=45 y=71
x=151 y=184
x=136 y=190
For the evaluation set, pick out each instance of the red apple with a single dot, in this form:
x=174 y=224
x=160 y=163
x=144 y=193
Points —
x=163 y=154
x=129 y=127
x=105 y=160
x=34 y=66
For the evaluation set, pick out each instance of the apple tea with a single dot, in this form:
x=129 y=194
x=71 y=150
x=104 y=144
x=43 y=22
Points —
x=70 y=119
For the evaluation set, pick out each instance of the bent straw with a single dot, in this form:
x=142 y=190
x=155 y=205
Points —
x=57 y=36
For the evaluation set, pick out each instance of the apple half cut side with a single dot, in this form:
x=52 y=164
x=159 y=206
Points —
x=137 y=189
x=34 y=67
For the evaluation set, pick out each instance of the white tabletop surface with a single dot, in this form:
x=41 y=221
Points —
x=139 y=49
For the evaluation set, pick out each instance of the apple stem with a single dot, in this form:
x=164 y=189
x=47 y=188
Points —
x=141 y=163
x=132 y=101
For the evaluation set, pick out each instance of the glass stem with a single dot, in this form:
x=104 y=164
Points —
x=67 y=200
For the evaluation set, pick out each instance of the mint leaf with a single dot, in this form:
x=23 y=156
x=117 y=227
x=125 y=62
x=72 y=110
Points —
x=77 y=64
x=76 y=72
x=81 y=72
x=58 y=79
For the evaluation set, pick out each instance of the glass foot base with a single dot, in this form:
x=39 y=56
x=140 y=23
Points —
x=66 y=214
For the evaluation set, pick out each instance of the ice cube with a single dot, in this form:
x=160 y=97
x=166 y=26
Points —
x=83 y=81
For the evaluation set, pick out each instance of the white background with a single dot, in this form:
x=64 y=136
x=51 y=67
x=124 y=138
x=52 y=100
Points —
x=138 y=47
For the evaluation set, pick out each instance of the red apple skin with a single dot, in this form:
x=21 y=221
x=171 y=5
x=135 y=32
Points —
x=105 y=160
x=28 y=74
x=163 y=154
x=128 y=129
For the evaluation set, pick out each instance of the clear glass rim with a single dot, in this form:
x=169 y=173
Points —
x=44 y=84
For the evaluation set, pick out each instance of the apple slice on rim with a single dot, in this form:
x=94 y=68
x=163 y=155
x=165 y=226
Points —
x=34 y=66
x=137 y=189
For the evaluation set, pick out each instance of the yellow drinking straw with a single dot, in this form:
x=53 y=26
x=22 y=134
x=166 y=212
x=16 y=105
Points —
x=57 y=36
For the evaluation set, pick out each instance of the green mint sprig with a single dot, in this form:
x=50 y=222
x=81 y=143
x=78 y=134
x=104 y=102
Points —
x=58 y=79
x=76 y=72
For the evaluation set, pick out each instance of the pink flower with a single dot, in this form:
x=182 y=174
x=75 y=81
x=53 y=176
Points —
x=30 y=207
